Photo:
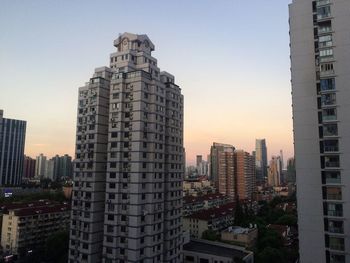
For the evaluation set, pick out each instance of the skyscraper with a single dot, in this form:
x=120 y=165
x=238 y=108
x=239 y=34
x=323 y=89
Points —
x=129 y=166
x=12 y=141
x=261 y=160
x=244 y=174
x=319 y=40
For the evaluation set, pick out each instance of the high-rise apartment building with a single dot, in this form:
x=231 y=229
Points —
x=199 y=159
x=65 y=167
x=261 y=160
x=12 y=141
x=226 y=179
x=40 y=166
x=274 y=177
x=28 y=167
x=127 y=194
x=215 y=151
x=319 y=40
x=291 y=170
x=244 y=174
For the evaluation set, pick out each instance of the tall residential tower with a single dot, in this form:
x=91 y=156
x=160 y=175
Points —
x=129 y=161
x=12 y=141
x=320 y=68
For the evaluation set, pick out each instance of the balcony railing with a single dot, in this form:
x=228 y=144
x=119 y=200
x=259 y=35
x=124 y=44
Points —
x=322 y=2
x=335 y=213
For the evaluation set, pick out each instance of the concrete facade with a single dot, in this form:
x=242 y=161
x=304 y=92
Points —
x=130 y=155
x=320 y=68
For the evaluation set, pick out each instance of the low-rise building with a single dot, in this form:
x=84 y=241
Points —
x=192 y=204
x=203 y=251
x=215 y=219
x=240 y=236
x=26 y=226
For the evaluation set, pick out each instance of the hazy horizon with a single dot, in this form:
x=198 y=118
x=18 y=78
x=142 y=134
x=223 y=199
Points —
x=230 y=58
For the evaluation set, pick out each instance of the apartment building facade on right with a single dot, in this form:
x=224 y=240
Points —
x=320 y=68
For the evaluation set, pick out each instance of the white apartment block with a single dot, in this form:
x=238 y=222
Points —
x=320 y=67
x=127 y=195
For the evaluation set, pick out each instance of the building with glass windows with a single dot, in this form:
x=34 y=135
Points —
x=320 y=68
x=261 y=161
x=12 y=141
x=129 y=166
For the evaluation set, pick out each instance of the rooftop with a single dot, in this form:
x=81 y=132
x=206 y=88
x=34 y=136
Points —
x=215 y=248
x=215 y=212
x=197 y=199
x=35 y=207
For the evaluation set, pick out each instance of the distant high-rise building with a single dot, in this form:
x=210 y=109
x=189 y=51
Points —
x=12 y=141
x=275 y=171
x=40 y=166
x=261 y=160
x=28 y=167
x=65 y=167
x=199 y=159
x=50 y=169
x=215 y=151
x=291 y=170
x=244 y=174
x=226 y=172
x=320 y=75
x=127 y=194
x=282 y=160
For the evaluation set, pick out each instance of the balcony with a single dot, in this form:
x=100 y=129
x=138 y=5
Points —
x=322 y=2
x=336 y=213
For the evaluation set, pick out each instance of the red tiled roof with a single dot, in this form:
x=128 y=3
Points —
x=35 y=207
x=5 y=207
x=42 y=210
x=202 y=198
x=215 y=212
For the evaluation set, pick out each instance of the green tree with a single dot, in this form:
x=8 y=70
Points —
x=289 y=220
x=210 y=235
x=239 y=217
x=56 y=247
x=270 y=255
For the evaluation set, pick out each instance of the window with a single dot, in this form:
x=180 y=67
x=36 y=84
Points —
x=326 y=54
x=323 y=12
x=330 y=130
x=336 y=243
x=329 y=114
x=334 y=209
x=332 y=193
x=331 y=177
x=331 y=161
x=331 y=145
x=328 y=99
x=325 y=41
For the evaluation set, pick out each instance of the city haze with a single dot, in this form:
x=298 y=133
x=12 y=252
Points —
x=230 y=58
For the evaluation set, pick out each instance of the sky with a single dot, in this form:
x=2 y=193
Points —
x=230 y=58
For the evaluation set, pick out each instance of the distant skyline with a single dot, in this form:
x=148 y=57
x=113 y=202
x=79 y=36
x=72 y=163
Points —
x=231 y=59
